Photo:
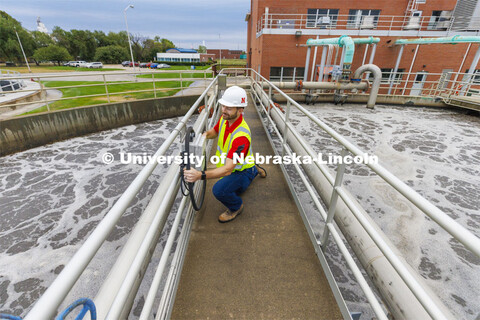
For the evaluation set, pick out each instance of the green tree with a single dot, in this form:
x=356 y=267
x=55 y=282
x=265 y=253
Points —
x=81 y=44
x=52 y=53
x=9 y=46
x=111 y=54
x=119 y=39
x=42 y=39
x=202 y=49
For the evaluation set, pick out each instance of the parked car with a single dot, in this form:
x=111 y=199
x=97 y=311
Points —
x=163 y=65
x=125 y=63
x=94 y=65
x=68 y=64
x=149 y=64
x=136 y=64
x=153 y=65
x=79 y=63
x=143 y=65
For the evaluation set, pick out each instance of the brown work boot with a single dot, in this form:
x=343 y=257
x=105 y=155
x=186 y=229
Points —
x=261 y=172
x=229 y=216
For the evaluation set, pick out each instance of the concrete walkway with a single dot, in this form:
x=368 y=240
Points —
x=261 y=265
x=51 y=95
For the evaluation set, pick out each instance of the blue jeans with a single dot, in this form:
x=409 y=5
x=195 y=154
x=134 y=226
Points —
x=228 y=189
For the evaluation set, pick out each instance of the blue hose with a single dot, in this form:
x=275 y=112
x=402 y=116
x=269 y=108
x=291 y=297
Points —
x=4 y=316
x=88 y=305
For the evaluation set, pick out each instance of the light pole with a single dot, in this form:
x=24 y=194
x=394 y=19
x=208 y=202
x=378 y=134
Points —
x=128 y=34
x=21 y=47
x=220 y=50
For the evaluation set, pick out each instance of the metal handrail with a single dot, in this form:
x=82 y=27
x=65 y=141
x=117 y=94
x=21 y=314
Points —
x=450 y=225
x=48 y=303
x=54 y=295
x=460 y=233
x=344 y=21
x=102 y=83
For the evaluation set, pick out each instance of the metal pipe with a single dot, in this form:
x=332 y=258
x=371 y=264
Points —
x=344 y=41
x=473 y=65
x=461 y=66
x=447 y=40
x=314 y=62
x=377 y=78
x=372 y=56
x=322 y=85
x=392 y=76
x=365 y=54
x=322 y=64
x=307 y=62
x=411 y=67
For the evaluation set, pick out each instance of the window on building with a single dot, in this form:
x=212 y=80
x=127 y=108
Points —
x=286 y=73
x=322 y=18
x=476 y=76
x=440 y=20
x=363 y=19
x=387 y=73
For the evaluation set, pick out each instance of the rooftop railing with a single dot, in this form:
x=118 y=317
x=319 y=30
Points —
x=366 y=22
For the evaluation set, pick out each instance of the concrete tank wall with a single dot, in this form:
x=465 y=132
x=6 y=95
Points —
x=22 y=133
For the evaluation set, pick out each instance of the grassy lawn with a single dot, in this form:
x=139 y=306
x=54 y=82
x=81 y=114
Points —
x=233 y=62
x=120 y=88
x=174 y=75
x=45 y=69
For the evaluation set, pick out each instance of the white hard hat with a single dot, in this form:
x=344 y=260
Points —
x=234 y=97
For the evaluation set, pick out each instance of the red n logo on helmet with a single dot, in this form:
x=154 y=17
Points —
x=243 y=100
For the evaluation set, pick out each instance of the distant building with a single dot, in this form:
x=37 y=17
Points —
x=226 y=53
x=179 y=55
x=205 y=57
x=278 y=32
x=40 y=26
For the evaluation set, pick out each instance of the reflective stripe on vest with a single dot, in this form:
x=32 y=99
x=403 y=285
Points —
x=242 y=131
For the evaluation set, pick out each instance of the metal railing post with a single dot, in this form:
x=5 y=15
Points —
x=181 y=84
x=44 y=94
x=333 y=200
x=285 y=129
x=106 y=89
x=154 y=87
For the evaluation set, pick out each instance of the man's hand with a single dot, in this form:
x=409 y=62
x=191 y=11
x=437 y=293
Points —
x=192 y=175
x=210 y=134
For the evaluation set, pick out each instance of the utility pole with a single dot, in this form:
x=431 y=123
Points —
x=128 y=35
x=21 y=47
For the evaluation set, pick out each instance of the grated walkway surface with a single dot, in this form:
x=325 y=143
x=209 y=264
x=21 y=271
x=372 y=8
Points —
x=262 y=265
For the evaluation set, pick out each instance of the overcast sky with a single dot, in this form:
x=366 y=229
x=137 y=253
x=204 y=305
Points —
x=220 y=23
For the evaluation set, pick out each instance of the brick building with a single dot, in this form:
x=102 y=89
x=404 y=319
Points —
x=279 y=29
x=226 y=53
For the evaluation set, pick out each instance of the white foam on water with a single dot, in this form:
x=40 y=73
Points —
x=53 y=196
x=437 y=153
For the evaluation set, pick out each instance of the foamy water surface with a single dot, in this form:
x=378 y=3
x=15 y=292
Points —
x=437 y=153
